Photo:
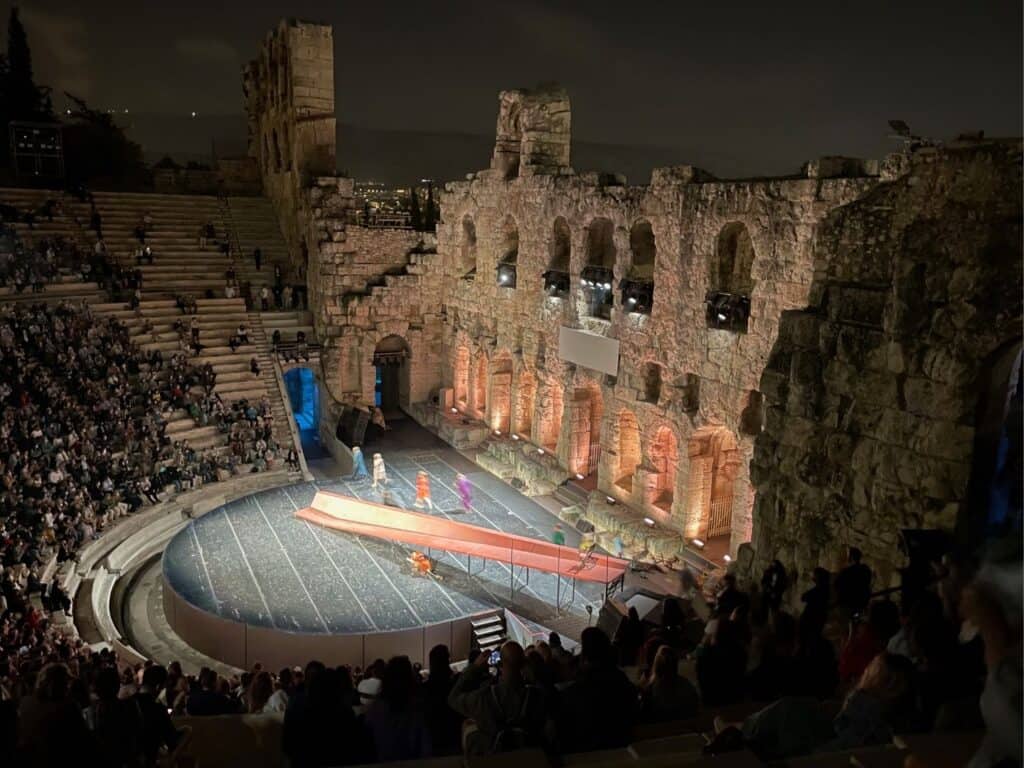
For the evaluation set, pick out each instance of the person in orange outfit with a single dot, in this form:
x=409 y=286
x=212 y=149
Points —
x=423 y=491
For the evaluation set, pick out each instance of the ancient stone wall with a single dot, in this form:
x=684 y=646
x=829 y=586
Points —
x=873 y=390
x=289 y=95
x=680 y=382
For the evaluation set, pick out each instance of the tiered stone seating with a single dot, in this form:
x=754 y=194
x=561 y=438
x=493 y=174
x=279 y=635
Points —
x=254 y=224
x=218 y=320
x=179 y=265
x=70 y=285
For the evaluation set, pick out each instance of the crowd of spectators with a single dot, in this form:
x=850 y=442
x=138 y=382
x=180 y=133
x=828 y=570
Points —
x=781 y=687
x=83 y=442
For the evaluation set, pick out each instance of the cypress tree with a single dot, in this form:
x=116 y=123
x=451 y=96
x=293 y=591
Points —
x=25 y=100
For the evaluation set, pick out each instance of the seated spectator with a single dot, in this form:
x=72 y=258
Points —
x=320 y=728
x=116 y=723
x=507 y=714
x=721 y=665
x=395 y=720
x=665 y=695
x=599 y=707
x=877 y=708
x=443 y=723
x=207 y=700
x=47 y=712
x=868 y=639
x=258 y=692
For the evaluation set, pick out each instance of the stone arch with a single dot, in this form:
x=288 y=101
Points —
x=714 y=464
x=549 y=413
x=508 y=253
x=664 y=456
x=499 y=395
x=467 y=248
x=600 y=250
x=556 y=278
x=731 y=269
x=651 y=392
x=525 y=397
x=597 y=278
x=585 y=414
x=480 y=386
x=560 y=249
x=643 y=251
x=460 y=379
x=391 y=358
x=628 y=445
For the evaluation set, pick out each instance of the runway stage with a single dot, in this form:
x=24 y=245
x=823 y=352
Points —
x=245 y=576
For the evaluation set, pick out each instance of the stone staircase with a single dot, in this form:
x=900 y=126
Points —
x=70 y=285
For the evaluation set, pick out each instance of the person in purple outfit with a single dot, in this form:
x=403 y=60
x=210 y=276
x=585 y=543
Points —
x=463 y=486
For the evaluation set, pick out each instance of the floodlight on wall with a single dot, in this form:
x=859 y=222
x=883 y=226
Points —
x=515 y=436
x=727 y=559
x=637 y=296
x=455 y=410
x=497 y=432
x=506 y=275
x=556 y=282
x=697 y=543
x=609 y=499
x=579 y=476
x=540 y=451
x=648 y=522
x=727 y=311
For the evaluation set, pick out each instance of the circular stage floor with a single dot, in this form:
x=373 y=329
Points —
x=253 y=562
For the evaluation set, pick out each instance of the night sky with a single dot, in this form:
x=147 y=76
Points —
x=740 y=87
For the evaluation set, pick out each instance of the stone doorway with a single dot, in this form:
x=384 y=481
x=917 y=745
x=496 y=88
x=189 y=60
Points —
x=714 y=464
x=391 y=376
x=585 y=414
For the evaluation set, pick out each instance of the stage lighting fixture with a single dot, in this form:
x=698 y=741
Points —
x=649 y=522
x=610 y=499
x=727 y=559
x=497 y=432
x=697 y=543
x=507 y=275
x=455 y=410
x=540 y=450
x=515 y=437
x=579 y=476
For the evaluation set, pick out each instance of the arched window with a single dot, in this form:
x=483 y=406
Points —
x=638 y=287
x=508 y=255
x=467 y=256
x=556 y=279
x=596 y=278
x=730 y=279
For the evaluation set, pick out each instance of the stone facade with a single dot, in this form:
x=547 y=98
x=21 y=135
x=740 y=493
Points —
x=670 y=436
x=873 y=390
x=877 y=370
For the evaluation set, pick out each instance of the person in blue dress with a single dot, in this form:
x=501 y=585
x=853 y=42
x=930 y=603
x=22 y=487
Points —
x=359 y=470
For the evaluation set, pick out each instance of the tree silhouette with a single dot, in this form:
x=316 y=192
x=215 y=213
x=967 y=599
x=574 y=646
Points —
x=25 y=100
x=96 y=149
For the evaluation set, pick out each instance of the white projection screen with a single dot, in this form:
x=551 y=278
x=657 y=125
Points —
x=589 y=350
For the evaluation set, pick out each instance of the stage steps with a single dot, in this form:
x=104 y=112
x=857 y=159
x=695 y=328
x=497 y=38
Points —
x=489 y=632
x=569 y=494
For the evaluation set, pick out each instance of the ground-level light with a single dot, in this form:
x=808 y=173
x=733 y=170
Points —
x=697 y=543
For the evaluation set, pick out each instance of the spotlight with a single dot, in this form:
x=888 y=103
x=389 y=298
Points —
x=515 y=437
x=497 y=432
x=697 y=543
x=540 y=450
x=631 y=300
x=607 y=286
x=193 y=114
x=727 y=559
x=721 y=317
x=579 y=476
x=503 y=278
x=455 y=410
x=648 y=522
x=610 y=499
x=582 y=281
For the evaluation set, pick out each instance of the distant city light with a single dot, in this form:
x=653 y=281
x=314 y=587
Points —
x=193 y=114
